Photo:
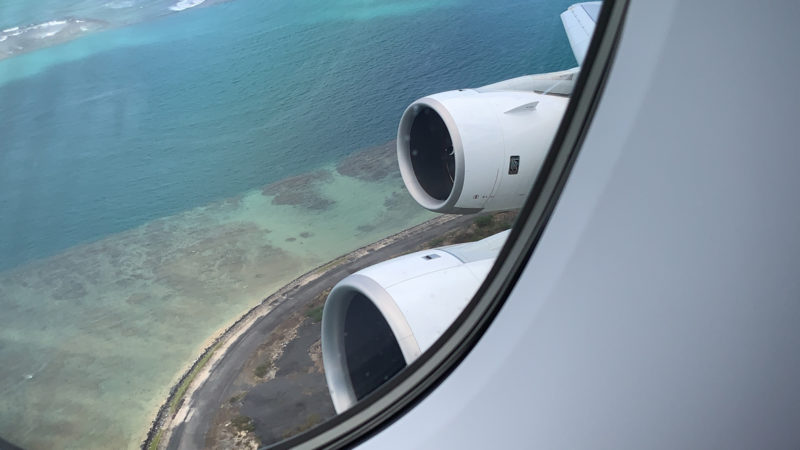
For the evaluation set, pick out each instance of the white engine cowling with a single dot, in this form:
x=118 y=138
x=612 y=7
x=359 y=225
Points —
x=379 y=319
x=475 y=150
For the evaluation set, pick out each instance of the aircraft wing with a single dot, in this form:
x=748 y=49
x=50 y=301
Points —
x=579 y=21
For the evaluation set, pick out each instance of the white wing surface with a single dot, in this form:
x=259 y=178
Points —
x=579 y=21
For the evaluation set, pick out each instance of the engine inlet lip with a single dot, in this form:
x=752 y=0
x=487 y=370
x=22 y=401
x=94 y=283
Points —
x=404 y=156
x=334 y=359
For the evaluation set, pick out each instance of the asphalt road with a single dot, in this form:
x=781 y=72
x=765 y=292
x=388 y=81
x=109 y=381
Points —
x=220 y=385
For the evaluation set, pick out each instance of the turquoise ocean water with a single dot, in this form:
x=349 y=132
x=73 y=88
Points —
x=164 y=171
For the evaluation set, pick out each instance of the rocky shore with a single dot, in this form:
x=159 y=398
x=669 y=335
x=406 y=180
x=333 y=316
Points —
x=175 y=409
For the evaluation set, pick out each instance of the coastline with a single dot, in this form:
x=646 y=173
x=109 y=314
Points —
x=113 y=286
x=196 y=373
x=161 y=293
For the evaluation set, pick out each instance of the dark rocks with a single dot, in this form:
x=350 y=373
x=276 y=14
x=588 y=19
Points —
x=372 y=164
x=301 y=190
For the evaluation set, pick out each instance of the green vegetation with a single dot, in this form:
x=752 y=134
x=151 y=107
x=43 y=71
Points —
x=156 y=440
x=262 y=369
x=482 y=226
x=236 y=398
x=181 y=391
x=315 y=314
x=311 y=420
x=483 y=221
x=243 y=423
x=436 y=242
x=485 y=226
x=314 y=311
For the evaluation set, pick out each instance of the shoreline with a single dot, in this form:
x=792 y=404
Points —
x=166 y=416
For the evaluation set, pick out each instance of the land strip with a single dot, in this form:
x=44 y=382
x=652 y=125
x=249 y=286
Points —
x=262 y=345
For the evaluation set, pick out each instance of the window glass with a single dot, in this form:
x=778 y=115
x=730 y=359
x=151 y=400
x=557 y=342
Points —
x=179 y=174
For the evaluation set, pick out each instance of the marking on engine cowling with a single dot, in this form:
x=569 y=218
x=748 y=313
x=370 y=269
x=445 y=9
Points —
x=513 y=165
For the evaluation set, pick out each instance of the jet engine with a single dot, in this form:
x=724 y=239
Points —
x=460 y=151
x=379 y=319
x=473 y=150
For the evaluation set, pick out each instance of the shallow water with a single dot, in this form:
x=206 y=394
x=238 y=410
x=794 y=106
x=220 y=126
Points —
x=94 y=337
x=159 y=179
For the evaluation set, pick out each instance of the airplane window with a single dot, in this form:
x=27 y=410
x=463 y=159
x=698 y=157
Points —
x=225 y=222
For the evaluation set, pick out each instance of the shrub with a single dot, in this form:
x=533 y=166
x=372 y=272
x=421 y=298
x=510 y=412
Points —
x=243 y=423
x=483 y=221
x=262 y=369
x=315 y=314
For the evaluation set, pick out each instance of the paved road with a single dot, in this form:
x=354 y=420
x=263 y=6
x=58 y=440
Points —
x=5 y=445
x=219 y=387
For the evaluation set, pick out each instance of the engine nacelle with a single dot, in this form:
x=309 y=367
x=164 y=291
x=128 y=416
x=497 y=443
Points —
x=380 y=319
x=475 y=150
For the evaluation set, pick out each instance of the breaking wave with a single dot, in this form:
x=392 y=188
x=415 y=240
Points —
x=20 y=39
x=185 y=4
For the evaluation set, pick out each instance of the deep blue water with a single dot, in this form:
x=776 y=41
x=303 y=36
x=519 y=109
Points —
x=215 y=101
